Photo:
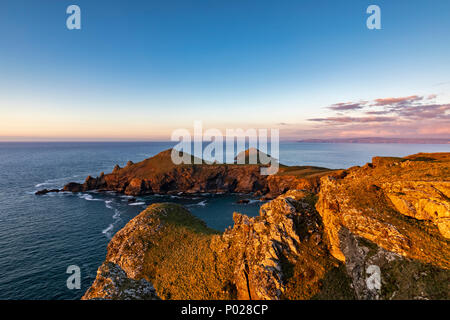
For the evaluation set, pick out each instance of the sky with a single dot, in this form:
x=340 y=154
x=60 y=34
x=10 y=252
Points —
x=137 y=70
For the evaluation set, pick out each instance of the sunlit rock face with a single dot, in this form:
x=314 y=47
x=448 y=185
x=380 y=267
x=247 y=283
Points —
x=401 y=204
x=372 y=232
x=160 y=175
x=262 y=247
x=259 y=258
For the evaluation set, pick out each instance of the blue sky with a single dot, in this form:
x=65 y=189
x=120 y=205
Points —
x=140 y=69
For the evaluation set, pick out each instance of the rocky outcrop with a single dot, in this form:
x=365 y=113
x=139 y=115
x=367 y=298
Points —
x=279 y=184
x=112 y=283
x=422 y=200
x=399 y=204
x=256 y=259
x=377 y=273
x=372 y=232
x=45 y=191
x=160 y=175
x=261 y=247
x=391 y=214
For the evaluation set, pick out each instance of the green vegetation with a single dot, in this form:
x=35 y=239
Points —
x=303 y=171
x=179 y=261
x=182 y=218
x=317 y=275
x=336 y=285
x=405 y=278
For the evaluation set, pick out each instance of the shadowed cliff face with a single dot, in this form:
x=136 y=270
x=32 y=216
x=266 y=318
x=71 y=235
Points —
x=259 y=258
x=351 y=240
x=159 y=175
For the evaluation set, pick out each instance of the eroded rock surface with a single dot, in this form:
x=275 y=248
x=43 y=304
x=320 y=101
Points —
x=160 y=175
x=372 y=232
x=262 y=247
x=112 y=283
x=398 y=204
x=259 y=258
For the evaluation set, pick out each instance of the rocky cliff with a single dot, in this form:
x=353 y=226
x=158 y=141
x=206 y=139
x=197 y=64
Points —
x=393 y=214
x=373 y=232
x=160 y=175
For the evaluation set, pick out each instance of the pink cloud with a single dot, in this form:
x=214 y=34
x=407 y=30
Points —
x=353 y=119
x=412 y=116
x=346 y=106
x=393 y=101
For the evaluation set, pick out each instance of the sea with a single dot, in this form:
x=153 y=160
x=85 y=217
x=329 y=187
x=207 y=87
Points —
x=41 y=236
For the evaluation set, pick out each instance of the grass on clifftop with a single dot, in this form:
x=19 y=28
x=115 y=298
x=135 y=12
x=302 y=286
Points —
x=162 y=163
x=182 y=218
x=302 y=171
x=180 y=262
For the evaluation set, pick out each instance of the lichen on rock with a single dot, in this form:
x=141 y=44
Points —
x=112 y=283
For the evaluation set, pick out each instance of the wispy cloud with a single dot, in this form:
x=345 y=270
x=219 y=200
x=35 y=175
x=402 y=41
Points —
x=346 y=106
x=431 y=111
x=415 y=115
x=397 y=101
x=353 y=119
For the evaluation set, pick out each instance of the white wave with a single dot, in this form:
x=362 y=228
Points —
x=126 y=197
x=201 y=203
x=116 y=219
x=116 y=215
x=108 y=231
x=55 y=181
x=88 y=197
x=108 y=204
x=42 y=184
x=136 y=204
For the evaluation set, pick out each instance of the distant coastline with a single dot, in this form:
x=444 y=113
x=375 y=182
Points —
x=379 y=140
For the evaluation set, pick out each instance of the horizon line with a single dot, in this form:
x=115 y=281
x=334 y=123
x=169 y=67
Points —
x=352 y=140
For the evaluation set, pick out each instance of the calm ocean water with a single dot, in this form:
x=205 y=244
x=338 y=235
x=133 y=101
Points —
x=41 y=236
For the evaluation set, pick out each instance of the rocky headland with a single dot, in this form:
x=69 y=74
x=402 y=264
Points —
x=380 y=231
x=159 y=175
